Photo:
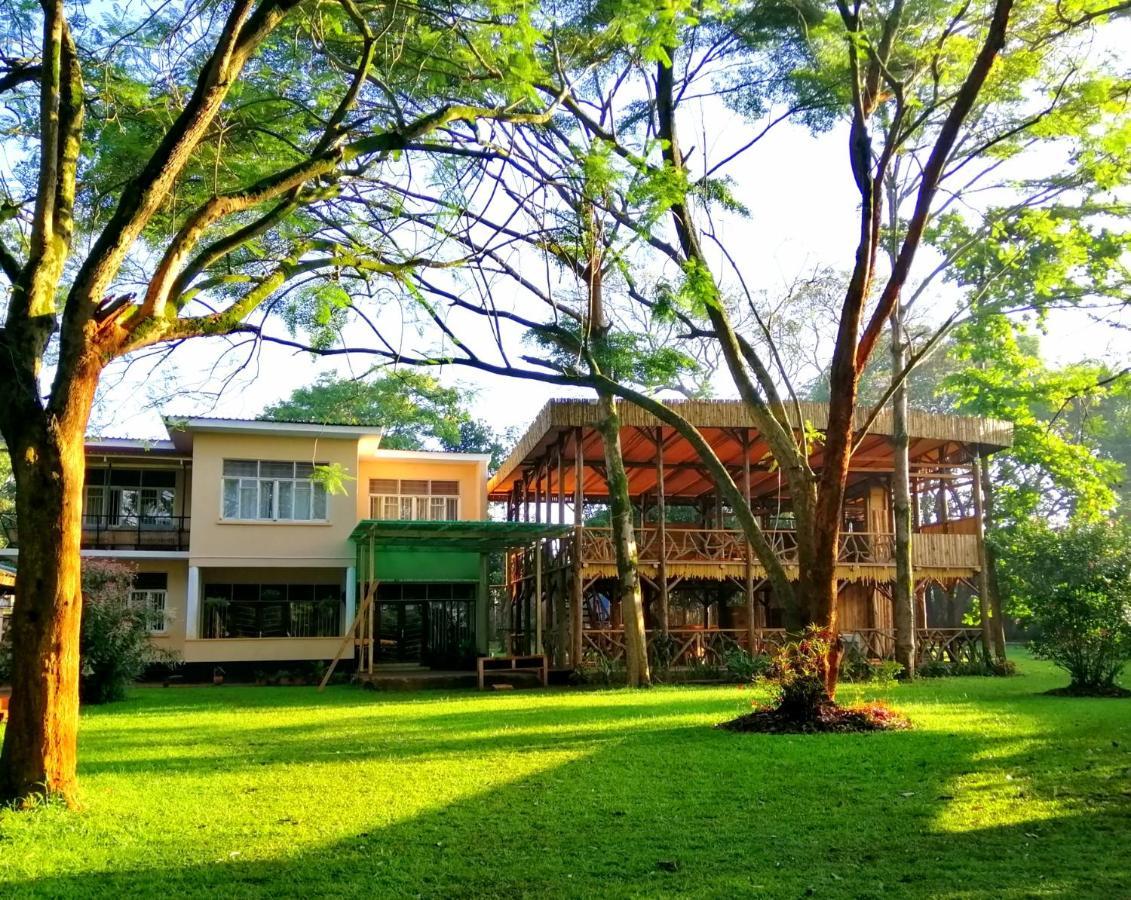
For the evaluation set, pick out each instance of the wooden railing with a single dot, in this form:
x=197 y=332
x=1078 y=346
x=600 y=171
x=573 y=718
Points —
x=708 y=647
x=728 y=546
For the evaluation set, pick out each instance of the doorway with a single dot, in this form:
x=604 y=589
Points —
x=400 y=632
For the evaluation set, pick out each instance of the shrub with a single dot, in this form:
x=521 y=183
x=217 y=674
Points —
x=743 y=666
x=941 y=668
x=1077 y=583
x=115 y=647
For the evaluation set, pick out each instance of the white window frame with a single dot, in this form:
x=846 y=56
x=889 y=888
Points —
x=274 y=484
x=420 y=505
x=146 y=599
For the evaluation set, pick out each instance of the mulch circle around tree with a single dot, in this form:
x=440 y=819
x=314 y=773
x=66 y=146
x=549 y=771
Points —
x=1111 y=691
x=828 y=718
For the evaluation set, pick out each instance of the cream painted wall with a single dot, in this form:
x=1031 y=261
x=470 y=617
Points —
x=471 y=475
x=215 y=542
x=265 y=649
x=175 y=599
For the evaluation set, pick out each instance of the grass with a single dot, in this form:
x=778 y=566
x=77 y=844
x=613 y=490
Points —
x=998 y=792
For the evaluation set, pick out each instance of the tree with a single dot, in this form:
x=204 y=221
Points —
x=413 y=409
x=192 y=155
x=1077 y=582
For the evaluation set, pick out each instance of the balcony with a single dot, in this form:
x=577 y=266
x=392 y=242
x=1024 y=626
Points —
x=123 y=532
x=691 y=547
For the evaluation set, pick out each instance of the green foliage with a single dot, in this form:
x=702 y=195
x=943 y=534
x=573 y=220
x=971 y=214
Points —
x=856 y=667
x=743 y=666
x=1077 y=582
x=115 y=647
x=796 y=674
x=939 y=668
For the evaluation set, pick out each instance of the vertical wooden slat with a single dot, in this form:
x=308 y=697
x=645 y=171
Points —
x=983 y=568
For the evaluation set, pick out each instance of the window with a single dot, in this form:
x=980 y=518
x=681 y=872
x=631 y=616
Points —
x=129 y=498
x=266 y=490
x=148 y=596
x=413 y=499
x=272 y=610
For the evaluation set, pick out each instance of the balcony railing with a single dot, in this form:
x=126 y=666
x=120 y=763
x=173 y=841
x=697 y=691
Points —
x=123 y=532
x=727 y=546
x=692 y=646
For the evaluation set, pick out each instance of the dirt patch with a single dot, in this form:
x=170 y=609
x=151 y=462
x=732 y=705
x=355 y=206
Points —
x=829 y=718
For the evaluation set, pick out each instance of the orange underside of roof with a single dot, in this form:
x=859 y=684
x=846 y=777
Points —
x=551 y=446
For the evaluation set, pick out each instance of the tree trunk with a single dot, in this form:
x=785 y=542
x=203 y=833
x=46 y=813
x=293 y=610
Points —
x=993 y=589
x=903 y=590
x=40 y=744
x=624 y=540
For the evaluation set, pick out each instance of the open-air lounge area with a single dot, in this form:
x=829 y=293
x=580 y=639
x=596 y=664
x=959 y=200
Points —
x=696 y=568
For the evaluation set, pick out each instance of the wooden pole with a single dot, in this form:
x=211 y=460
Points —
x=748 y=567
x=538 y=596
x=983 y=568
x=662 y=533
x=577 y=598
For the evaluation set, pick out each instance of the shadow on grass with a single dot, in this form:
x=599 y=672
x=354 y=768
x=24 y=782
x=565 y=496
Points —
x=666 y=806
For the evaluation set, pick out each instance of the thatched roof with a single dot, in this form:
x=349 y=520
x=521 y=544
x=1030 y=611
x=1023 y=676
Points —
x=935 y=438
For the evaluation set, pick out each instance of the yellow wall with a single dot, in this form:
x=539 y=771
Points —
x=215 y=542
x=265 y=649
x=471 y=475
x=177 y=592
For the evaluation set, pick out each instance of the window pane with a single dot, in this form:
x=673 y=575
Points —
x=303 y=491
x=124 y=505
x=266 y=500
x=248 y=468
x=451 y=513
x=93 y=510
x=319 y=502
x=439 y=508
x=286 y=501
x=304 y=470
x=408 y=508
x=268 y=469
x=422 y=511
x=231 y=498
x=391 y=508
x=248 y=492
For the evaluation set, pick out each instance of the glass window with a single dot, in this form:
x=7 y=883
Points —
x=415 y=500
x=272 y=491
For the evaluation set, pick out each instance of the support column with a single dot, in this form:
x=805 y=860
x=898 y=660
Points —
x=993 y=627
x=192 y=604
x=538 y=596
x=748 y=569
x=577 y=592
x=351 y=598
x=482 y=609
x=662 y=533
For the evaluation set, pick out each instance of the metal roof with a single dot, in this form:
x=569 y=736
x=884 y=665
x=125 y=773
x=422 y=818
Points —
x=464 y=536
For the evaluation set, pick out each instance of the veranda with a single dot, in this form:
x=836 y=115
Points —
x=697 y=564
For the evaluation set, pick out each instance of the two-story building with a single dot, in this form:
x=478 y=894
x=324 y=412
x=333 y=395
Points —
x=246 y=554
x=243 y=551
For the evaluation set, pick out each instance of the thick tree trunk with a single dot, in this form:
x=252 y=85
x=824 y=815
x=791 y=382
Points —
x=903 y=590
x=40 y=744
x=624 y=540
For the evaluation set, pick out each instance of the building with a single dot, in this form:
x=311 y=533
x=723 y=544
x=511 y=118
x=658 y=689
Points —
x=692 y=556
x=247 y=557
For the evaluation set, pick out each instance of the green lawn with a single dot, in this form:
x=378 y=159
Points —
x=269 y=792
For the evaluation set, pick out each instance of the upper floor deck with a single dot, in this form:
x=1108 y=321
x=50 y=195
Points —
x=233 y=492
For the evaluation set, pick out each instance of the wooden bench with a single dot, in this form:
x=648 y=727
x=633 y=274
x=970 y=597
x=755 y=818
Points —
x=537 y=665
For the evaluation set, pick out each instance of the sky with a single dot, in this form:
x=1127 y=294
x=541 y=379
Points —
x=803 y=216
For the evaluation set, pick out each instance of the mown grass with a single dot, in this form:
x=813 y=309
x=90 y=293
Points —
x=280 y=792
